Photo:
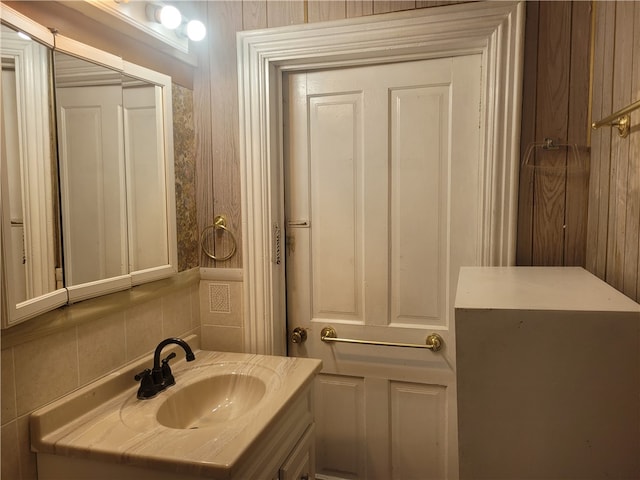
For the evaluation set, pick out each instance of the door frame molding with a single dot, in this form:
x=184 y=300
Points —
x=493 y=29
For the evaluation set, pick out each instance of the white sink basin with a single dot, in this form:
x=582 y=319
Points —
x=211 y=401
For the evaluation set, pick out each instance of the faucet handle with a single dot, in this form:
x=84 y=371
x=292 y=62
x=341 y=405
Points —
x=169 y=357
x=147 y=388
x=142 y=375
x=167 y=376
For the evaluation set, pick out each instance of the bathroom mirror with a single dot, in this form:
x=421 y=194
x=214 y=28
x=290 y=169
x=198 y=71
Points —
x=87 y=181
x=149 y=175
x=92 y=171
x=29 y=208
x=116 y=171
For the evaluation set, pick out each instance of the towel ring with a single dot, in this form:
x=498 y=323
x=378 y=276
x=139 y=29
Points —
x=219 y=222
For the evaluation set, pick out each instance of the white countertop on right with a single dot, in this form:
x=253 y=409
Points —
x=538 y=288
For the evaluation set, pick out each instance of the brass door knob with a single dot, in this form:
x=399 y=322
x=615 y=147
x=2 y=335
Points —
x=299 y=335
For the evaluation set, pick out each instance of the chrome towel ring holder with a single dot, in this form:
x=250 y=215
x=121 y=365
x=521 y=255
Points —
x=219 y=223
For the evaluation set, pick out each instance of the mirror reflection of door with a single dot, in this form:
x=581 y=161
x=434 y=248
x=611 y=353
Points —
x=28 y=161
x=92 y=171
x=146 y=192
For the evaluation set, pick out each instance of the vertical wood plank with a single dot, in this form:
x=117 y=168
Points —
x=225 y=17
x=285 y=12
x=631 y=272
x=597 y=226
x=613 y=249
x=635 y=151
x=551 y=122
x=577 y=187
x=606 y=135
x=386 y=6
x=204 y=153
x=552 y=215
x=524 y=247
x=596 y=136
x=323 y=10
x=359 y=8
x=254 y=14
x=619 y=146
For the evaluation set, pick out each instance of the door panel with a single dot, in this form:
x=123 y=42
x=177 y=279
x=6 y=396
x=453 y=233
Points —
x=92 y=174
x=418 y=433
x=340 y=423
x=335 y=136
x=147 y=211
x=381 y=195
x=419 y=121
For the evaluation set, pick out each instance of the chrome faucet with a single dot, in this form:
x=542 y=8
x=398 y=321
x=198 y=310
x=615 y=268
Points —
x=153 y=381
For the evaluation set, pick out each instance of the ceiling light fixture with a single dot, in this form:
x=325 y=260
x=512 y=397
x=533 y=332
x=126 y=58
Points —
x=196 y=30
x=171 y=18
x=167 y=15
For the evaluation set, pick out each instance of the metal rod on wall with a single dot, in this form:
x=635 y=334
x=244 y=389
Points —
x=620 y=119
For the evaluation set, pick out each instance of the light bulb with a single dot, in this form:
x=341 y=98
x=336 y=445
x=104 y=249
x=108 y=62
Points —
x=196 y=30
x=170 y=17
x=24 y=36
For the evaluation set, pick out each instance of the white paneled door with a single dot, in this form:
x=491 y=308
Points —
x=383 y=205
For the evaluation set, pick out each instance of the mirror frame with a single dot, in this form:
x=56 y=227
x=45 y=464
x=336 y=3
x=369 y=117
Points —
x=164 y=98
x=13 y=313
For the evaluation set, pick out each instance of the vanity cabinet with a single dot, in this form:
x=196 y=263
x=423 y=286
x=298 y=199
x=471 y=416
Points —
x=300 y=465
x=288 y=451
x=95 y=434
x=294 y=460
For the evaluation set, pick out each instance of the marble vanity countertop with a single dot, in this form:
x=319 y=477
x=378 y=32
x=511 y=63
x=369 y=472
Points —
x=102 y=422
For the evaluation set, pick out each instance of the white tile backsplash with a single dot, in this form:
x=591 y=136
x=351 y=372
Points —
x=44 y=367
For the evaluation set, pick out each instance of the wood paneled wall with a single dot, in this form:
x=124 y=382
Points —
x=216 y=97
x=552 y=213
x=613 y=246
x=554 y=192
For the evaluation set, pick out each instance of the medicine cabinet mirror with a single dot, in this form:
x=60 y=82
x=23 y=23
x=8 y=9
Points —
x=88 y=201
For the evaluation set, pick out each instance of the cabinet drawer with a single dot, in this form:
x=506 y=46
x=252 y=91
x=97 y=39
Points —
x=300 y=465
